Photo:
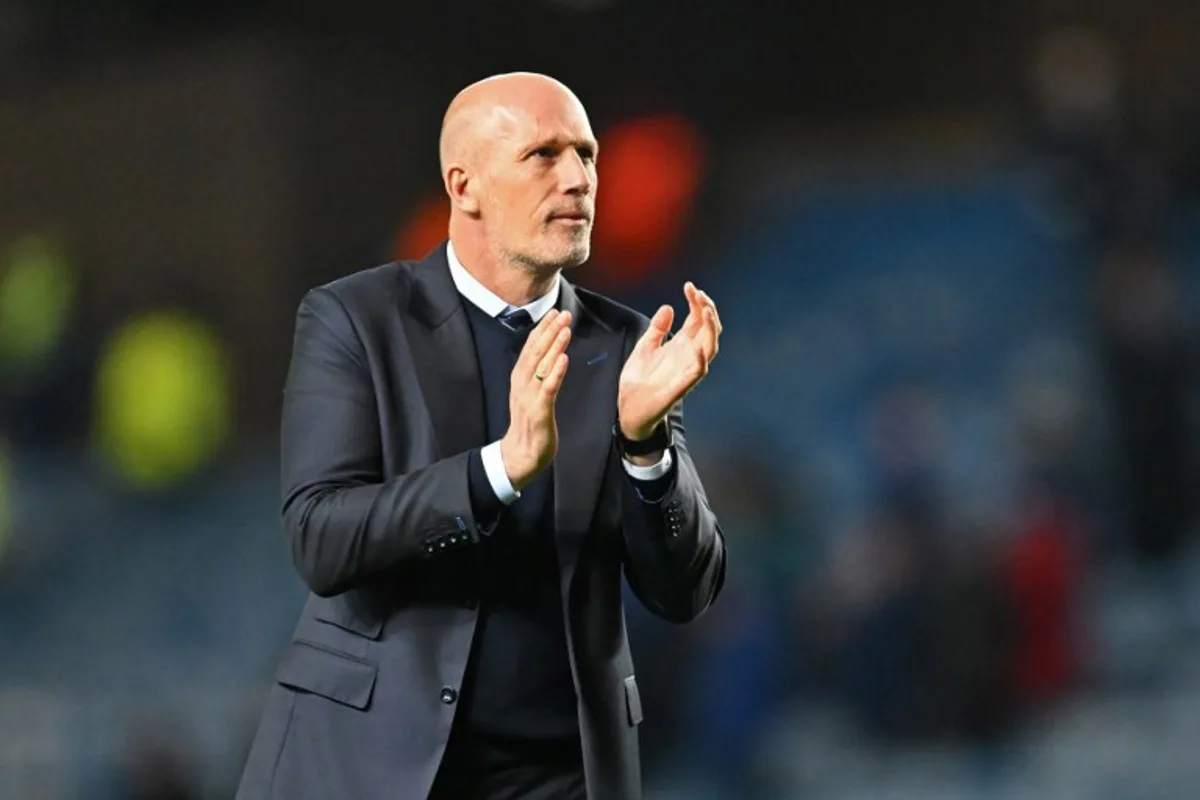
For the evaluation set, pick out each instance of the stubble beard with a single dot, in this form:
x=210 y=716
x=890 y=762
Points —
x=545 y=264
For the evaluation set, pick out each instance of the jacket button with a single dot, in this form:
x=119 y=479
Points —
x=449 y=695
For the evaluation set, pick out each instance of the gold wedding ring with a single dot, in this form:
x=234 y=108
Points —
x=539 y=376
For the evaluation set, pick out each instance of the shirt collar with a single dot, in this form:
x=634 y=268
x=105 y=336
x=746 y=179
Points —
x=483 y=297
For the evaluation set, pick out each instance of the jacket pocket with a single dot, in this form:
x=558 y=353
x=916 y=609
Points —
x=633 y=701
x=335 y=676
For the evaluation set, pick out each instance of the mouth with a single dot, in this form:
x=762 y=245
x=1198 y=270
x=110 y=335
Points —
x=572 y=218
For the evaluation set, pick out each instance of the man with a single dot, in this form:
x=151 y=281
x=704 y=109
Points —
x=462 y=494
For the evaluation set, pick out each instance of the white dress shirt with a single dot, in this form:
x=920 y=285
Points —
x=493 y=463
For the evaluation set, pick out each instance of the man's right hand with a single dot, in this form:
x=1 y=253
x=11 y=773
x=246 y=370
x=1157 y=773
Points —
x=531 y=441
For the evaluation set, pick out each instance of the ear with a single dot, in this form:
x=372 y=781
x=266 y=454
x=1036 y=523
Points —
x=461 y=189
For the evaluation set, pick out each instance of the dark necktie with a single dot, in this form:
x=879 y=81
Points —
x=516 y=319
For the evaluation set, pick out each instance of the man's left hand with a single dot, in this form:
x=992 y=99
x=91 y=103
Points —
x=659 y=374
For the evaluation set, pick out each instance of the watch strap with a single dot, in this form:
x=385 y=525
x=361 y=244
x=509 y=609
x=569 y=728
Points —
x=659 y=440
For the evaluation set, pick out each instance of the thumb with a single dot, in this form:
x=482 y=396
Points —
x=660 y=326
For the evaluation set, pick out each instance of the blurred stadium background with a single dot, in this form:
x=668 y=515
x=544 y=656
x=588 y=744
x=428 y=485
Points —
x=952 y=432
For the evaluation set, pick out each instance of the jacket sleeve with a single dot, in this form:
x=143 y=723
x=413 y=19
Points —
x=674 y=548
x=343 y=522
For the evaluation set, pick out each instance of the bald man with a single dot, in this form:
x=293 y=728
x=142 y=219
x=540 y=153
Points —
x=474 y=452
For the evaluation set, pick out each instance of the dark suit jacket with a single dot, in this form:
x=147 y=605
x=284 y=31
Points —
x=382 y=406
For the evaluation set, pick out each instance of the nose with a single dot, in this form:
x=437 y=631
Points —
x=575 y=174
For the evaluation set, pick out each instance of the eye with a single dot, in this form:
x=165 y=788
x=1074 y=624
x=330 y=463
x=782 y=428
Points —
x=587 y=153
x=546 y=151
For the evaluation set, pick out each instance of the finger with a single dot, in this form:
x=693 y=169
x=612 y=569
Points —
x=695 y=317
x=539 y=342
x=689 y=378
x=660 y=326
x=540 y=332
x=554 y=378
x=707 y=338
x=558 y=345
x=708 y=301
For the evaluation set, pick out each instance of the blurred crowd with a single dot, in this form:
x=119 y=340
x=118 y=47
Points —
x=926 y=620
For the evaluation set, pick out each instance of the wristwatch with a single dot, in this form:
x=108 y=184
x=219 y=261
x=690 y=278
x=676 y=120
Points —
x=658 y=441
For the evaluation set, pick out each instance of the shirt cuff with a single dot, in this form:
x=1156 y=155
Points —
x=497 y=475
x=651 y=472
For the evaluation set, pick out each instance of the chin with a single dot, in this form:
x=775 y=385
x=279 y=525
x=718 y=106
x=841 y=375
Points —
x=559 y=257
x=576 y=256
x=575 y=250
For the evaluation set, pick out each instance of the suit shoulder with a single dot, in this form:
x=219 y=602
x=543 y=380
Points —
x=365 y=290
x=611 y=313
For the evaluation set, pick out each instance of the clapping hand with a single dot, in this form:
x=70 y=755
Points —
x=658 y=373
x=531 y=440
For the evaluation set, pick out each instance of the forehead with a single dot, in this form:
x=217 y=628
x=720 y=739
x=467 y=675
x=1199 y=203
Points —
x=550 y=118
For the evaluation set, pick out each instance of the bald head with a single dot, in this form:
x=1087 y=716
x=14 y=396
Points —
x=518 y=160
x=493 y=106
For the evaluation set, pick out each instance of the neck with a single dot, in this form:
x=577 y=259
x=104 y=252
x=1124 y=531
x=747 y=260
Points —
x=515 y=284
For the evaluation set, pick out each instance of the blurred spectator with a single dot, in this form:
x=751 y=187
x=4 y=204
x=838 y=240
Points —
x=1044 y=560
x=883 y=577
x=1104 y=176
x=1116 y=186
x=973 y=630
x=1149 y=362
x=1043 y=579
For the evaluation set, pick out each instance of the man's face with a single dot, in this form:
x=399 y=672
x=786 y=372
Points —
x=539 y=182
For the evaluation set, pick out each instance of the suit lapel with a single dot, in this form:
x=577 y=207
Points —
x=443 y=354
x=586 y=407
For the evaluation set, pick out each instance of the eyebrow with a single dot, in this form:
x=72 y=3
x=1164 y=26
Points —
x=555 y=141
